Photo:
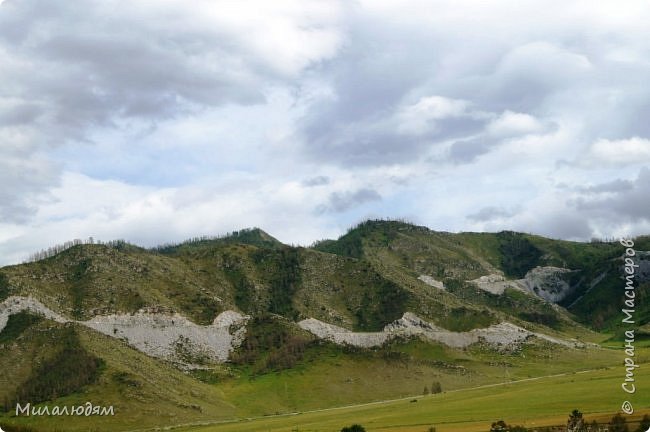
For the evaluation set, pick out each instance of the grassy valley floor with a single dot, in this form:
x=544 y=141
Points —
x=542 y=384
x=532 y=403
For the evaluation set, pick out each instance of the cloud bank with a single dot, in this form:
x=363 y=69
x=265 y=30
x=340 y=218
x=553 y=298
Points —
x=159 y=121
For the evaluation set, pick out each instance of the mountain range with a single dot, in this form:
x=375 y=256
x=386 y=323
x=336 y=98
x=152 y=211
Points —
x=243 y=325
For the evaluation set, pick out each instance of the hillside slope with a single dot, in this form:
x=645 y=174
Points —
x=243 y=325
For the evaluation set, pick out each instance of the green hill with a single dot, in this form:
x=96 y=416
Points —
x=369 y=283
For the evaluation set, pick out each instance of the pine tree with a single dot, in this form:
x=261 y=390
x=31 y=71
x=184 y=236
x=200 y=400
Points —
x=618 y=424
x=576 y=422
x=645 y=424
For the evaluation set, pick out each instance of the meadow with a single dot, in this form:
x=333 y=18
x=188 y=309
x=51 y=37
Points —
x=532 y=403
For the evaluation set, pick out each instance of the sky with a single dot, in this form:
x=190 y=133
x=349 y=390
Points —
x=156 y=121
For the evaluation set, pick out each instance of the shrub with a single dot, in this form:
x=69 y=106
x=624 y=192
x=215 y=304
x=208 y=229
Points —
x=618 y=424
x=354 y=428
x=499 y=426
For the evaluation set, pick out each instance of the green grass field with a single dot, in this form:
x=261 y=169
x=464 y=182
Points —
x=331 y=379
x=148 y=397
x=534 y=402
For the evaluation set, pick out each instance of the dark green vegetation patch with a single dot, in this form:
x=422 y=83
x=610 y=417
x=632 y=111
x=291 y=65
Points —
x=17 y=324
x=518 y=254
x=271 y=345
x=282 y=271
x=67 y=371
x=4 y=286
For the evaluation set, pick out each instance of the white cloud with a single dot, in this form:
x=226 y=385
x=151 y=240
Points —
x=81 y=207
x=421 y=116
x=544 y=61
x=156 y=121
x=512 y=124
x=630 y=151
x=102 y=70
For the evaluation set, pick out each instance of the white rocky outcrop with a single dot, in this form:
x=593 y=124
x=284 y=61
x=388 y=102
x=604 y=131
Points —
x=15 y=304
x=548 y=283
x=431 y=281
x=174 y=337
x=501 y=336
x=163 y=335
x=342 y=336
x=497 y=284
